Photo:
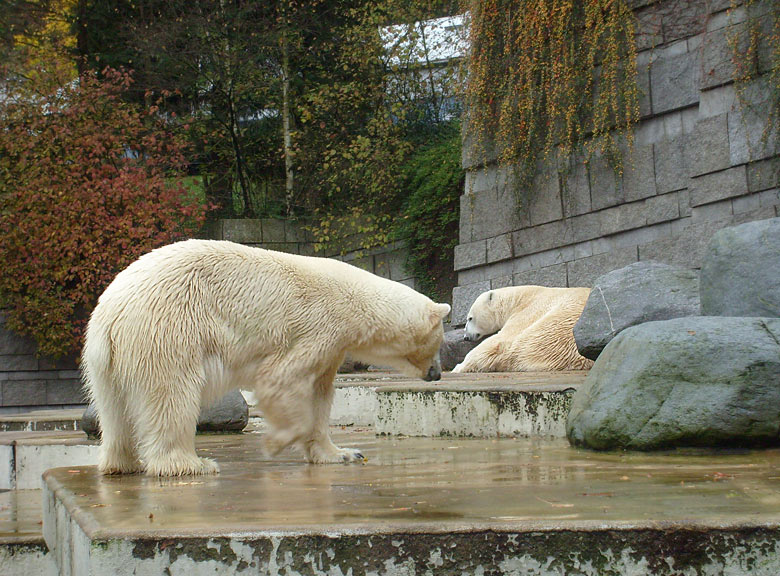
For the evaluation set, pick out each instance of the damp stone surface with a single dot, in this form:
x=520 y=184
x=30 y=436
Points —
x=425 y=506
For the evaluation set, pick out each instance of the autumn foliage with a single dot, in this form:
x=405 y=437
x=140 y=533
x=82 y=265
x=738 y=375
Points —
x=88 y=182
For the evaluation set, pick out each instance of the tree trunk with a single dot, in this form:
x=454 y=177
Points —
x=289 y=183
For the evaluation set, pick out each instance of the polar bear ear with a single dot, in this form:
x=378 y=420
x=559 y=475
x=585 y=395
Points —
x=441 y=311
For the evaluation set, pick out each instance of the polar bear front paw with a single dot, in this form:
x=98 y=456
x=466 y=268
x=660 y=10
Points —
x=335 y=456
x=458 y=368
x=351 y=455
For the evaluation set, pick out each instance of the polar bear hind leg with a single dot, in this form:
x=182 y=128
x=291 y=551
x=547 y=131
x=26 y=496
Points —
x=166 y=421
x=548 y=345
x=118 y=454
x=488 y=356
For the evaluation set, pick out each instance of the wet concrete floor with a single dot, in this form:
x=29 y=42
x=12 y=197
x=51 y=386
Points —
x=430 y=484
x=20 y=515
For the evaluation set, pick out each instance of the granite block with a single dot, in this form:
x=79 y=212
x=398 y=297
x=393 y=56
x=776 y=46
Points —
x=717 y=60
x=462 y=299
x=745 y=203
x=24 y=392
x=639 y=174
x=470 y=255
x=751 y=136
x=584 y=272
x=501 y=282
x=12 y=343
x=683 y=19
x=576 y=189
x=674 y=82
x=547 y=276
x=242 y=230
x=720 y=210
x=545 y=198
x=466 y=220
x=17 y=362
x=707 y=147
x=273 y=230
x=684 y=202
x=499 y=248
x=65 y=392
x=662 y=208
x=605 y=185
x=671 y=170
x=764 y=174
x=718 y=186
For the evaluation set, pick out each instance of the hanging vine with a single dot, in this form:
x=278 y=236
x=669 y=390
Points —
x=549 y=77
x=755 y=48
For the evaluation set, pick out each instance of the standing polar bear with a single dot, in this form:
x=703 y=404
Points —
x=532 y=330
x=185 y=323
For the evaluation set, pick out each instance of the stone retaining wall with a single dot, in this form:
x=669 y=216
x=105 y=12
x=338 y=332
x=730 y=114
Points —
x=699 y=163
x=286 y=236
x=28 y=381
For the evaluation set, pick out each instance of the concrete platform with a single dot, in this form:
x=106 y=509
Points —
x=479 y=405
x=68 y=419
x=425 y=506
x=25 y=455
x=460 y=405
x=23 y=551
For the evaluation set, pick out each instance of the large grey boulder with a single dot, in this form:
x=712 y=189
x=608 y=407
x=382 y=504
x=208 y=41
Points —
x=640 y=292
x=230 y=414
x=698 y=381
x=454 y=348
x=740 y=273
x=89 y=422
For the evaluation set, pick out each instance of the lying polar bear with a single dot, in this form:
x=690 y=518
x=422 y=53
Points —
x=531 y=329
x=188 y=322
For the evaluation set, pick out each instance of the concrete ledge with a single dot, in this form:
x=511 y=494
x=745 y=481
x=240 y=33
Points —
x=25 y=456
x=42 y=421
x=425 y=506
x=28 y=558
x=23 y=551
x=523 y=405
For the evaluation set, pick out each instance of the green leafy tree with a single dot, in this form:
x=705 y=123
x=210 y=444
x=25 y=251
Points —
x=430 y=215
x=301 y=109
x=88 y=182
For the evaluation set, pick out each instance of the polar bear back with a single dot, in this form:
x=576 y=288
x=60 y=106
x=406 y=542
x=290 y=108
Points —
x=205 y=298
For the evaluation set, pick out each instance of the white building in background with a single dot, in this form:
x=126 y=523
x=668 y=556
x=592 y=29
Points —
x=437 y=41
x=424 y=58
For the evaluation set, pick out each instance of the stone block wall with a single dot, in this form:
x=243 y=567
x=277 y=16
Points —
x=292 y=237
x=702 y=159
x=29 y=381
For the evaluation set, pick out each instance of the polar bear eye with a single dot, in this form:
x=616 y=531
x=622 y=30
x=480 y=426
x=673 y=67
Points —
x=470 y=319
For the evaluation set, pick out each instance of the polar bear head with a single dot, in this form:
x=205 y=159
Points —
x=415 y=351
x=483 y=318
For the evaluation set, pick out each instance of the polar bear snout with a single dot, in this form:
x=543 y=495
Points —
x=471 y=337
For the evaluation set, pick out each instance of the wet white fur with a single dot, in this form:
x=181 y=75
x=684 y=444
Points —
x=531 y=327
x=187 y=322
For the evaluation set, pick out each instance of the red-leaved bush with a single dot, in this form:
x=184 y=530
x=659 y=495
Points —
x=88 y=182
